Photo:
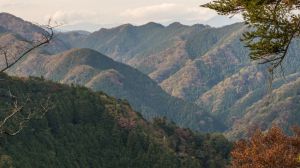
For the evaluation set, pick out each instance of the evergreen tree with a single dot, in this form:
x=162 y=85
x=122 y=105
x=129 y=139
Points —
x=273 y=26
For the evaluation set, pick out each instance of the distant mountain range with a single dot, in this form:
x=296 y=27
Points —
x=89 y=68
x=207 y=67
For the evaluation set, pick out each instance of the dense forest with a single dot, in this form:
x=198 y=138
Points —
x=91 y=129
x=137 y=96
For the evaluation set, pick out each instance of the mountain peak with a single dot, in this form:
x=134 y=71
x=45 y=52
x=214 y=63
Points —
x=84 y=52
x=125 y=26
x=9 y=18
x=153 y=25
x=19 y=26
x=200 y=26
x=8 y=15
x=176 y=25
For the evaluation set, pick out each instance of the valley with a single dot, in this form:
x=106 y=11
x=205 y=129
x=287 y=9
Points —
x=197 y=76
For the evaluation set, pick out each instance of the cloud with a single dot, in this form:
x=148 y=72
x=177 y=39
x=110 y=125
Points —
x=73 y=17
x=168 y=12
x=147 y=11
x=4 y=4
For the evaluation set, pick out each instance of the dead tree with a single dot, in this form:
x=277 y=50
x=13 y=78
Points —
x=13 y=54
x=20 y=111
x=16 y=112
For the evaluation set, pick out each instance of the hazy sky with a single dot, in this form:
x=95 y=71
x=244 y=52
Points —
x=93 y=14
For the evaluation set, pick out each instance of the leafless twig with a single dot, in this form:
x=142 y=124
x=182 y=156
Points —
x=22 y=109
x=12 y=59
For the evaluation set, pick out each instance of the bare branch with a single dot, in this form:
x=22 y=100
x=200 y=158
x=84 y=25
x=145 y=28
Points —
x=21 y=110
x=47 y=36
x=20 y=114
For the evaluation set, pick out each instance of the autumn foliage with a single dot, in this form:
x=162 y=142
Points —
x=273 y=149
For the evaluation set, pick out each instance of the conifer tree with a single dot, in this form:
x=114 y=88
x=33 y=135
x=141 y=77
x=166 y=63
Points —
x=273 y=26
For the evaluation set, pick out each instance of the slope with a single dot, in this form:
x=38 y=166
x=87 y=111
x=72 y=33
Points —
x=89 y=68
x=185 y=60
x=152 y=48
x=280 y=108
x=29 y=32
x=88 y=129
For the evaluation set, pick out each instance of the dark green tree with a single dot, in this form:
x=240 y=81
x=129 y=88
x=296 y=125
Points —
x=273 y=24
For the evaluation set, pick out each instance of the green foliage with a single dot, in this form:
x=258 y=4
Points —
x=274 y=25
x=212 y=149
x=87 y=129
x=89 y=68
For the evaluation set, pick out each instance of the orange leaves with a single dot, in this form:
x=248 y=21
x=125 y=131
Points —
x=273 y=149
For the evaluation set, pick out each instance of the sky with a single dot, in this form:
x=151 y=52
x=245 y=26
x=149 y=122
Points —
x=92 y=15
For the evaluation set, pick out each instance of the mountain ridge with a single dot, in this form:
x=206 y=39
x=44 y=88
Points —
x=89 y=68
x=209 y=67
x=206 y=66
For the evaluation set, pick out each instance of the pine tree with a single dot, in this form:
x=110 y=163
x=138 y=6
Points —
x=273 y=26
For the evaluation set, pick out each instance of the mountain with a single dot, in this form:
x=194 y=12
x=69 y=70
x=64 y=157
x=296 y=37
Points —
x=16 y=24
x=88 y=129
x=178 y=57
x=29 y=32
x=203 y=65
x=89 y=68
x=281 y=108
x=72 y=37
x=149 y=48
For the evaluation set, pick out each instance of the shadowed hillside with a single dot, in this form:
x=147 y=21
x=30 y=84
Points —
x=88 y=129
x=91 y=69
x=199 y=64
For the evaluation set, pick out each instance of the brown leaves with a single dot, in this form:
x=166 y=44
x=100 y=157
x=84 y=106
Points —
x=273 y=149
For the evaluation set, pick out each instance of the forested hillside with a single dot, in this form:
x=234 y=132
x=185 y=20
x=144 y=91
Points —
x=207 y=67
x=89 y=68
x=141 y=84
x=210 y=67
x=88 y=129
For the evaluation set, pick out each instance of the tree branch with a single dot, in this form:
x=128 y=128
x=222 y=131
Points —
x=46 y=38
